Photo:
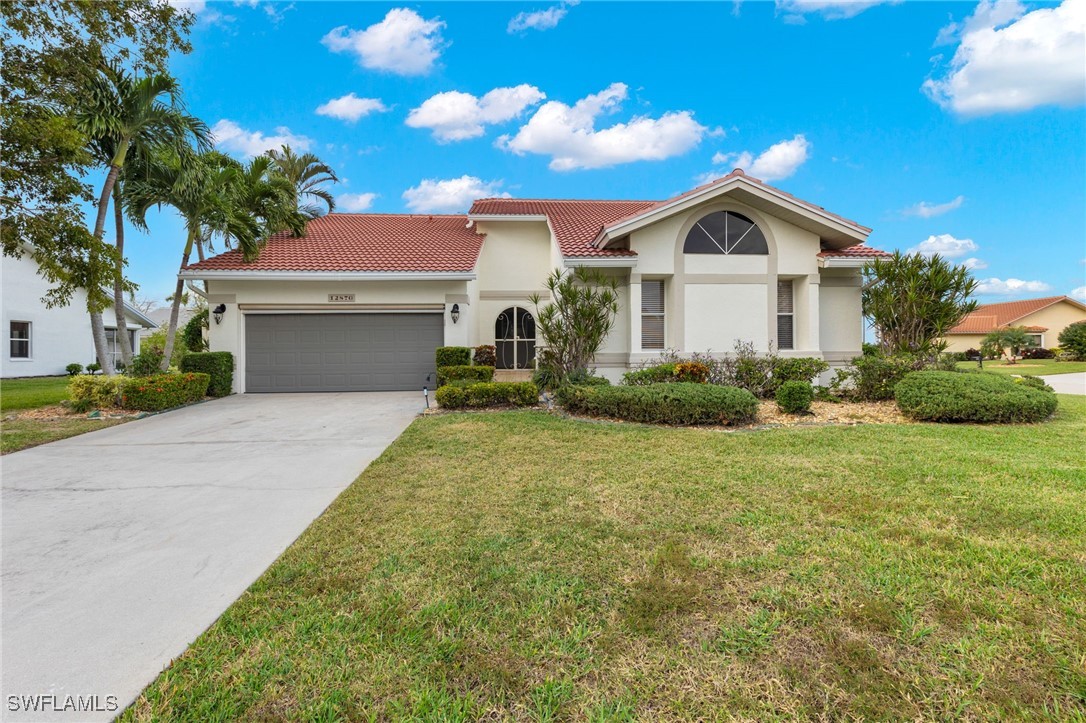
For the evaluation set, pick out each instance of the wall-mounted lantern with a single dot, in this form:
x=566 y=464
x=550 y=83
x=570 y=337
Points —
x=454 y=313
x=217 y=312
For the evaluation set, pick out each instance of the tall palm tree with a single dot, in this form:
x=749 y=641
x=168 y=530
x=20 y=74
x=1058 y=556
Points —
x=308 y=174
x=125 y=116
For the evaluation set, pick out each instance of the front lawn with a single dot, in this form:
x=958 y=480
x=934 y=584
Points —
x=22 y=428
x=524 y=566
x=32 y=392
x=1035 y=367
x=24 y=433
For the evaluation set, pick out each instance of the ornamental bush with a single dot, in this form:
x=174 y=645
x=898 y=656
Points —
x=798 y=369
x=88 y=392
x=473 y=373
x=971 y=397
x=487 y=394
x=192 y=334
x=452 y=356
x=872 y=378
x=795 y=397
x=666 y=403
x=73 y=369
x=1073 y=339
x=146 y=363
x=692 y=371
x=1038 y=352
x=163 y=391
x=1034 y=382
x=650 y=375
x=219 y=365
x=484 y=355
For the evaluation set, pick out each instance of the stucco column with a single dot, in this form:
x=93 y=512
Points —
x=811 y=318
x=634 y=311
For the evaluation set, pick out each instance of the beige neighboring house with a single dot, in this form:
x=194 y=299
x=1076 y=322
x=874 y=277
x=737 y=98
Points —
x=363 y=300
x=1043 y=320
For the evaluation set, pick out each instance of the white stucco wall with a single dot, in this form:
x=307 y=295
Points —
x=841 y=325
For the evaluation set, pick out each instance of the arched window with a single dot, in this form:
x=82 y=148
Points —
x=514 y=339
x=725 y=232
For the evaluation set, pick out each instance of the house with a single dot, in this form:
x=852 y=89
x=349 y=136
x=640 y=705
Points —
x=43 y=341
x=1043 y=320
x=160 y=317
x=361 y=302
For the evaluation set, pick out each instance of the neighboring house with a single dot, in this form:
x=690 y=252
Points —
x=42 y=341
x=161 y=318
x=1043 y=320
x=361 y=302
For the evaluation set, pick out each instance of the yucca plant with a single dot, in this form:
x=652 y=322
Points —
x=576 y=321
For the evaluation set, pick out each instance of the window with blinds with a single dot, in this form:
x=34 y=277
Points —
x=786 y=317
x=652 y=314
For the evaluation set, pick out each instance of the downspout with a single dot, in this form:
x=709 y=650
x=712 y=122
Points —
x=195 y=289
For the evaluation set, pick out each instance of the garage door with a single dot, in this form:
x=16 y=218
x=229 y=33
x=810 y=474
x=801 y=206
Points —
x=340 y=352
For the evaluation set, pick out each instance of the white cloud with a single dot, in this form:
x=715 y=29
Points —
x=231 y=137
x=1011 y=287
x=778 y=161
x=355 y=202
x=456 y=116
x=975 y=264
x=350 y=107
x=930 y=210
x=1079 y=293
x=1036 y=59
x=568 y=134
x=946 y=246
x=540 y=19
x=830 y=9
x=404 y=43
x=452 y=195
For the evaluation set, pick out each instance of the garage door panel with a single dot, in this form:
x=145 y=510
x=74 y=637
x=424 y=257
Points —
x=340 y=352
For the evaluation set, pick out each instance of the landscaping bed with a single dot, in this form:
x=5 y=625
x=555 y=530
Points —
x=30 y=427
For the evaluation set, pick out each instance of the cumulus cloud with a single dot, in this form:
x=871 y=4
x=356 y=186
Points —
x=1010 y=287
x=975 y=264
x=404 y=43
x=456 y=116
x=794 y=10
x=540 y=19
x=1011 y=60
x=778 y=161
x=355 y=202
x=232 y=138
x=930 y=210
x=568 y=134
x=1079 y=293
x=946 y=246
x=450 y=195
x=350 y=107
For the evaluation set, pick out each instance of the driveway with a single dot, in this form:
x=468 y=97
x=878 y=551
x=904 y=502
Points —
x=1067 y=383
x=121 y=546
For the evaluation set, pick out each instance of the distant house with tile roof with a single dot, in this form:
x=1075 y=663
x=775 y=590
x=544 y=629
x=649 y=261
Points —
x=1043 y=319
x=362 y=301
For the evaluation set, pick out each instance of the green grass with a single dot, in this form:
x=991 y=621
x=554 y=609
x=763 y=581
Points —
x=1035 y=367
x=527 y=567
x=32 y=392
x=24 y=433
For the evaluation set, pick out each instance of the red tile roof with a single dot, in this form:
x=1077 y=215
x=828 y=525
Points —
x=575 y=223
x=365 y=242
x=854 y=251
x=990 y=317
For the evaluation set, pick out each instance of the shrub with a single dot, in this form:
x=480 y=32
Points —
x=156 y=341
x=795 y=397
x=192 y=334
x=163 y=391
x=972 y=354
x=955 y=397
x=1034 y=382
x=1038 y=352
x=94 y=392
x=798 y=369
x=650 y=375
x=692 y=371
x=484 y=356
x=93 y=368
x=219 y=365
x=452 y=356
x=872 y=378
x=73 y=369
x=1073 y=339
x=487 y=394
x=146 y=363
x=668 y=403
x=584 y=377
x=476 y=374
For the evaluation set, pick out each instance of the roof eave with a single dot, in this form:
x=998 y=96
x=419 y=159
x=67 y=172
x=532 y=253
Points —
x=257 y=275
x=601 y=262
x=844 y=262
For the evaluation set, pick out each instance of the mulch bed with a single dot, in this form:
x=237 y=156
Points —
x=59 y=411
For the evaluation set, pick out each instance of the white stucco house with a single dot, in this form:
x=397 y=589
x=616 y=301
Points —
x=361 y=302
x=43 y=341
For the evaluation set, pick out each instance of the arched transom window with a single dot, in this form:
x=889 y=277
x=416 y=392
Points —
x=725 y=232
x=514 y=339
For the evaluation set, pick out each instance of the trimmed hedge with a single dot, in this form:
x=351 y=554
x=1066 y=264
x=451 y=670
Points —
x=473 y=373
x=219 y=365
x=971 y=397
x=795 y=397
x=88 y=392
x=650 y=375
x=488 y=394
x=798 y=369
x=663 y=403
x=452 y=356
x=163 y=391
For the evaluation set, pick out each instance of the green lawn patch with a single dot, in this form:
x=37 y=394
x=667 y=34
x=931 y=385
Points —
x=19 y=434
x=520 y=565
x=1033 y=367
x=32 y=392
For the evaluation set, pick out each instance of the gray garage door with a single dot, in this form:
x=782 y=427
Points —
x=340 y=352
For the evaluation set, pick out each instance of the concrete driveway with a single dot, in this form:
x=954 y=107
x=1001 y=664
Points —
x=121 y=546
x=1067 y=383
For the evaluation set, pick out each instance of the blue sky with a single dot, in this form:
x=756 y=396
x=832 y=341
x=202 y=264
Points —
x=952 y=127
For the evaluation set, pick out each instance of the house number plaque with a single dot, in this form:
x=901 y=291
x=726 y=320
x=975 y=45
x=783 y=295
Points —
x=340 y=297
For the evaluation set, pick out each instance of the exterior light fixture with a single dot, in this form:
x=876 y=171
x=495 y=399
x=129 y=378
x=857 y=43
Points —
x=218 y=311
x=455 y=313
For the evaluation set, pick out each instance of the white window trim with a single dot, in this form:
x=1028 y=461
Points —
x=29 y=341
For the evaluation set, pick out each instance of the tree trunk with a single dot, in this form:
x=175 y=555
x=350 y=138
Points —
x=118 y=281
x=98 y=329
x=175 y=307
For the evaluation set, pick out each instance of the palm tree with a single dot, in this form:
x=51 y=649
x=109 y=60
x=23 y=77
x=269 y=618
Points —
x=126 y=115
x=307 y=174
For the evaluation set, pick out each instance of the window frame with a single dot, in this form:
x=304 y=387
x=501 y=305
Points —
x=661 y=314
x=790 y=314
x=29 y=340
x=716 y=249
